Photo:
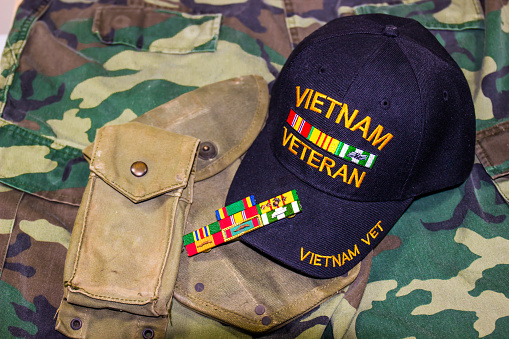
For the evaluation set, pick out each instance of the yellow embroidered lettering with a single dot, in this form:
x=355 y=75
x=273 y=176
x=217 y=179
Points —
x=300 y=98
x=333 y=103
x=336 y=260
x=372 y=233
x=376 y=135
x=346 y=257
x=292 y=145
x=366 y=122
x=354 y=252
x=318 y=160
x=343 y=172
x=355 y=175
x=306 y=106
x=318 y=259
x=313 y=158
x=285 y=137
x=316 y=101
x=305 y=148
x=302 y=256
x=344 y=113
x=328 y=163
x=367 y=241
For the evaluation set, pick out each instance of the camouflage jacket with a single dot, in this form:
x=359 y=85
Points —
x=70 y=67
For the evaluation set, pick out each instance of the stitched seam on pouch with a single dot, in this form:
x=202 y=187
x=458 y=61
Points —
x=85 y=219
x=222 y=310
x=107 y=298
x=319 y=288
x=167 y=252
x=273 y=314
x=482 y=154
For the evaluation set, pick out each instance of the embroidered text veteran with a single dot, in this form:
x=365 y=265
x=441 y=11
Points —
x=318 y=160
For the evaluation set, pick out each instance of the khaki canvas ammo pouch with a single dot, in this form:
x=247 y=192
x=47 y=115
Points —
x=128 y=231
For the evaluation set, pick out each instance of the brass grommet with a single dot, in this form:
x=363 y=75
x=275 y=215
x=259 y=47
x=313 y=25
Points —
x=207 y=150
x=76 y=324
x=148 y=333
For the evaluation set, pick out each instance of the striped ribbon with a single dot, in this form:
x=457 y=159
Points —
x=235 y=207
x=328 y=143
x=242 y=222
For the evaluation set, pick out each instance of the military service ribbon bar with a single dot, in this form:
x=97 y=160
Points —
x=328 y=143
x=240 y=218
x=235 y=207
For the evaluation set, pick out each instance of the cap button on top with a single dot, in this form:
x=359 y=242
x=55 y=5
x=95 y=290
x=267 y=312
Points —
x=391 y=30
x=139 y=169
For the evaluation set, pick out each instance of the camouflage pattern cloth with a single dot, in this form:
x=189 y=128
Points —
x=72 y=66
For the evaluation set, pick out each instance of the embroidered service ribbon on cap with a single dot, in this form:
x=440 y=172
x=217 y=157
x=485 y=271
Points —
x=328 y=143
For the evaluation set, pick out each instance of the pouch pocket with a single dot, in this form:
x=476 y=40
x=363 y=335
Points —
x=127 y=237
x=154 y=30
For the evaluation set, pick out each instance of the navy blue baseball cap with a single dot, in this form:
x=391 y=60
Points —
x=368 y=113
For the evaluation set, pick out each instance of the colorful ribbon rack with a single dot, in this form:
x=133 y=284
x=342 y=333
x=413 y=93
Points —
x=240 y=218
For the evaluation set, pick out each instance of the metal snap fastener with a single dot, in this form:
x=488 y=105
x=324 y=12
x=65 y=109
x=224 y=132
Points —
x=76 y=324
x=148 y=333
x=259 y=309
x=207 y=150
x=139 y=169
x=199 y=287
x=266 y=320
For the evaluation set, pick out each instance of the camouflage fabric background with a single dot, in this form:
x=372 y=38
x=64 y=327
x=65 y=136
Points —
x=72 y=66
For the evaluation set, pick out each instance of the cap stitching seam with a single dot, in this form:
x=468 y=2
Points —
x=409 y=38
x=422 y=127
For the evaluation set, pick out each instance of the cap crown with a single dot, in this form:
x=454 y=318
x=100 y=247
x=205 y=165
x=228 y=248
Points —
x=384 y=87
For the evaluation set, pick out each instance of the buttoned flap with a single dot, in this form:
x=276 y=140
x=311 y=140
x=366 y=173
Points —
x=226 y=116
x=142 y=161
x=156 y=30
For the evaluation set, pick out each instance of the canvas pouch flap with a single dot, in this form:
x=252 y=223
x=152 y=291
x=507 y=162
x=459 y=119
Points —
x=118 y=148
